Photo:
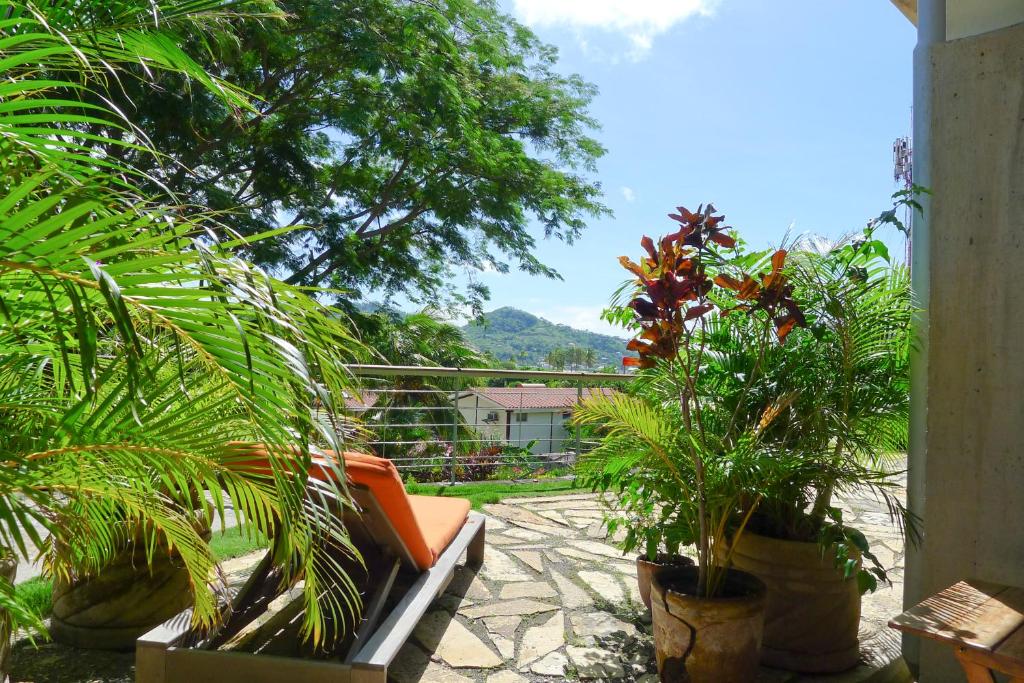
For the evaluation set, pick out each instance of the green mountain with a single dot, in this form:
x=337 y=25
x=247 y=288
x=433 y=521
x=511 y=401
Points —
x=510 y=334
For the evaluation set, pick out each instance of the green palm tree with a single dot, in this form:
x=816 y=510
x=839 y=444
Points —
x=414 y=415
x=133 y=346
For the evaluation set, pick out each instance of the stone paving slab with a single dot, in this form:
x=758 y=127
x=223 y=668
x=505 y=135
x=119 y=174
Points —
x=556 y=600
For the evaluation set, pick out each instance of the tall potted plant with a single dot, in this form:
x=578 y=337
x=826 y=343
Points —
x=848 y=373
x=700 y=464
x=132 y=347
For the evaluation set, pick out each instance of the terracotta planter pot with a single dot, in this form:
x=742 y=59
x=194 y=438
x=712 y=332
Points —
x=127 y=598
x=707 y=640
x=812 y=614
x=645 y=569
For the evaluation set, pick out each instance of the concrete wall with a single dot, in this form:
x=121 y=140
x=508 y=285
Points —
x=476 y=410
x=970 y=459
x=546 y=427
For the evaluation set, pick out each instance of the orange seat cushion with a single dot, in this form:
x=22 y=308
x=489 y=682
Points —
x=382 y=478
x=440 y=519
x=426 y=524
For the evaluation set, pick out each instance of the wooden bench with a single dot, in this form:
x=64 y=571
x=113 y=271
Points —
x=982 y=622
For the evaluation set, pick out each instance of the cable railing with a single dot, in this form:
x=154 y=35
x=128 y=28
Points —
x=472 y=424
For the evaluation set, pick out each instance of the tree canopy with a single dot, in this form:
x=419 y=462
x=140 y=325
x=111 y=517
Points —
x=411 y=139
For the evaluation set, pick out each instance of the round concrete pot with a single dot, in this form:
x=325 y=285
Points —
x=707 y=640
x=645 y=570
x=812 y=613
x=126 y=599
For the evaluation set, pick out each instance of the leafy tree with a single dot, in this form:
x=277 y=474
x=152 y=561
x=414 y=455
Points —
x=412 y=138
x=556 y=358
x=574 y=357
x=421 y=339
x=132 y=346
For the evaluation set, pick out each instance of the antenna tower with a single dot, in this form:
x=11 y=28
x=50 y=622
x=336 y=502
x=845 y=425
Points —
x=903 y=176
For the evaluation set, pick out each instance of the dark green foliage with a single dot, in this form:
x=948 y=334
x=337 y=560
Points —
x=511 y=334
x=412 y=138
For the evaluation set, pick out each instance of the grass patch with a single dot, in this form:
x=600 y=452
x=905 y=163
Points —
x=36 y=594
x=234 y=543
x=486 y=492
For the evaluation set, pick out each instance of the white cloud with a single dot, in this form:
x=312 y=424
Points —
x=580 y=317
x=628 y=194
x=638 y=20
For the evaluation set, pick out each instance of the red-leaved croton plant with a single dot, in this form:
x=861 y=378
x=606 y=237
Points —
x=676 y=289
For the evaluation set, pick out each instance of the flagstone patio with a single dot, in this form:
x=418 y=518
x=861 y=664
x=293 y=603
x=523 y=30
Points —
x=556 y=599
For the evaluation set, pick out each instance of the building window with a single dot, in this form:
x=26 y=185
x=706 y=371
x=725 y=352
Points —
x=520 y=417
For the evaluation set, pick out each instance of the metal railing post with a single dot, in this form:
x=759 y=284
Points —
x=455 y=424
x=579 y=400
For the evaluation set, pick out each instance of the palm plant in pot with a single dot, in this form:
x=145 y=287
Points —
x=683 y=454
x=848 y=374
x=133 y=346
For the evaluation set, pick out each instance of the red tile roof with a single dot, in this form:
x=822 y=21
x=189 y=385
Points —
x=513 y=398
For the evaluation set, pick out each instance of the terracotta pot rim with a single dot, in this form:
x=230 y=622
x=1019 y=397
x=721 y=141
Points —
x=671 y=560
x=757 y=588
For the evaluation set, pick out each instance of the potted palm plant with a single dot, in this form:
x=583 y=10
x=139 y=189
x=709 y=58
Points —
x=681 y=450
x=132 y=347
x=848 y=374
x=649 y=527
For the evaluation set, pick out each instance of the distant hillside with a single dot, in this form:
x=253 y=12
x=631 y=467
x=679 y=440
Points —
x=511 y=334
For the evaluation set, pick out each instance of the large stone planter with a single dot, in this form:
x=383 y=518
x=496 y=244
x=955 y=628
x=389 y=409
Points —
x=707 y=640
x=645 y=570
x=125 y=600
x=812 y=614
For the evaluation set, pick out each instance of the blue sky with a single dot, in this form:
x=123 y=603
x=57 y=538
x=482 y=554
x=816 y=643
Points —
x=780 y=113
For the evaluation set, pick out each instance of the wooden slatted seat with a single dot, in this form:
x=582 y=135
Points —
x=982 y=622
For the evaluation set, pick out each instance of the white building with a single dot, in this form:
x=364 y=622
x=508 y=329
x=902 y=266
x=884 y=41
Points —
x=519 y=415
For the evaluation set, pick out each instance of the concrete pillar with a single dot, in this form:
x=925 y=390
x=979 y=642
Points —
x=931 y=30
x=967 y=442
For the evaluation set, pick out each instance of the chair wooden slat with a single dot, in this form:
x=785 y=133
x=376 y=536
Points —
x=973 y=613
x=983 y=622
x=994 y=621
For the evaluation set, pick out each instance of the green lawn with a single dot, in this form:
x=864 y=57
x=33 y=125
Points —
x=494 y=492
x=232 y=543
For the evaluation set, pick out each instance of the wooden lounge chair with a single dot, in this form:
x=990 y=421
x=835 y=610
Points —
x=420 y=535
